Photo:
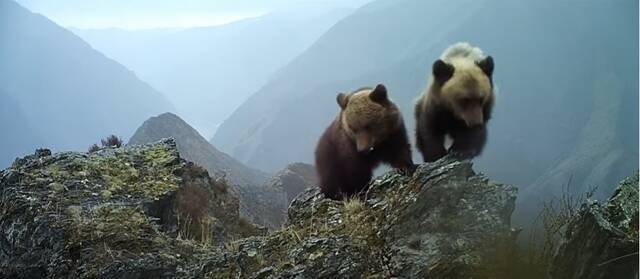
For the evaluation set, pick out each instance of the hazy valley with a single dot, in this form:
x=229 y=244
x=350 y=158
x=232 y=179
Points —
x=214 y=176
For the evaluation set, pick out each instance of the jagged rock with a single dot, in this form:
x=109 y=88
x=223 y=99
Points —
x=294 y=179
x=281 y=189
x=115 y=213
x=246 y=184
x=445 y=221
x=601 y=241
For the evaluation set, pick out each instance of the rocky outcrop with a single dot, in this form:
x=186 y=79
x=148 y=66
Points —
x=280 y=190
x=116 y=213
x=293 y=180
x=246 y=183
x=445 y=221
x=142 y=212
x=601 y=241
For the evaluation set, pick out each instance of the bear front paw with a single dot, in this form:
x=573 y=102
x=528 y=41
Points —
x=464 y=154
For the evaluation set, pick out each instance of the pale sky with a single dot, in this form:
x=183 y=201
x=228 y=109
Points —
x=143 y=14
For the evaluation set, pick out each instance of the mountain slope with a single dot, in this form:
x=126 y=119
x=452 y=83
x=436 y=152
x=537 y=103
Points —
x=566 y=73
x=207 y=72
x=195 y=148
x=18 y=137
x=71 y=94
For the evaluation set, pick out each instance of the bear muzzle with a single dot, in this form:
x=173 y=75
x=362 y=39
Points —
x=474 y=118
x=364 y=145
x=473 y=123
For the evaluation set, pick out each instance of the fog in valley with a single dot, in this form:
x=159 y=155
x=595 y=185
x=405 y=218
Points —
x=247 y=87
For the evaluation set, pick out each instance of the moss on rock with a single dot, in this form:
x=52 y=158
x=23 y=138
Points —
x=109 y=214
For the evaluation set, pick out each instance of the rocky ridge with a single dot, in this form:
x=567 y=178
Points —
x=141 y=211
x=116 y=213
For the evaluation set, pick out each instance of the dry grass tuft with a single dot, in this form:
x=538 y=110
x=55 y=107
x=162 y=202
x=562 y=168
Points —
x=111 y=141
x=550 y=225
x=192 y=205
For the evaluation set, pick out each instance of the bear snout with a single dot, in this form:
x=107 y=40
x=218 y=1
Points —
x=474 y=123
x=474 y=118
x=364 y=144
x=366 y=151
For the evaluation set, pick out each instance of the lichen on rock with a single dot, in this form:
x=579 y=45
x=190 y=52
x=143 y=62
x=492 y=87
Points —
x=445 y=221
x=142 y=212
x=110 y=213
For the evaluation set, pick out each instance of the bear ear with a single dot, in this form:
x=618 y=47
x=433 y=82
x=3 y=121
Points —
x=486 y=65
x=442 y=71
x=379 y=94
x=342 y=100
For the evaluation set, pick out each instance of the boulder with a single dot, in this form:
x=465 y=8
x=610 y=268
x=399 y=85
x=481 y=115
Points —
x=116 y=213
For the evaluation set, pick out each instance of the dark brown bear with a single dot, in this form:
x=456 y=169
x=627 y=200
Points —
x=457 y=102
x=368 y=130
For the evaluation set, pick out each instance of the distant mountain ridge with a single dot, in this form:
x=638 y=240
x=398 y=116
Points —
x=70 y=94
x=207 y=72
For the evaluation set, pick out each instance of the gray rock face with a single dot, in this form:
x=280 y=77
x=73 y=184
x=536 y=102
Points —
x=602 y=240
x=120 y=213
x=281 y=189
x=443 y=222
x=294 y=179
x=115 y=213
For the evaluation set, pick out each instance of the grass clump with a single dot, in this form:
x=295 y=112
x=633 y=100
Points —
x=109 y=233
x=111 y=141
x=533 y=259
x=353 y=221
x=192 y=205
x=550 y=225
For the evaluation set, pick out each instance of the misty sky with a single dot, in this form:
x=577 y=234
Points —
x=143 y=14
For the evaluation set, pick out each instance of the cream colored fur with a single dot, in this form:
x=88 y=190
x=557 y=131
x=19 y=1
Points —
x=468 y=81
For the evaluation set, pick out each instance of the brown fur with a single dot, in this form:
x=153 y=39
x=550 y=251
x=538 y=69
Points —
x=457 y=102
x=369 y=130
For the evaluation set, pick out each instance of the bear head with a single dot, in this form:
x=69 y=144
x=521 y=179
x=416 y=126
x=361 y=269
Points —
x=465 y=87
x=368 y=117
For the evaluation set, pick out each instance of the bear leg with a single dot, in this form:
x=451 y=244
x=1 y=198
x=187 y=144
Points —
x=430 y=143
x=468 y=143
